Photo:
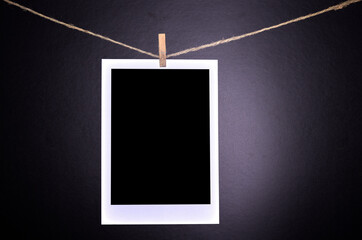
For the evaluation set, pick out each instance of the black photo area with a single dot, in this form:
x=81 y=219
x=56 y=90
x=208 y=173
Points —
x=160 y=136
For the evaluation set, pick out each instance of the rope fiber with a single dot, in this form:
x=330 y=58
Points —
x=194 y=49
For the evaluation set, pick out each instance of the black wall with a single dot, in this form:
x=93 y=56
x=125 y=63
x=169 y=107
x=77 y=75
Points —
x=289 y=112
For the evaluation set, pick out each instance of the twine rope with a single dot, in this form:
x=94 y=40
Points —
x=71 y=26
x=223 y=41
x=194 y=49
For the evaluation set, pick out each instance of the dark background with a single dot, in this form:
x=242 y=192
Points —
x=160 y=136
x=289 y=115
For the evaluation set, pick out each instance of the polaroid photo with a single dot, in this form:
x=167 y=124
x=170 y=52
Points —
x=159 y=142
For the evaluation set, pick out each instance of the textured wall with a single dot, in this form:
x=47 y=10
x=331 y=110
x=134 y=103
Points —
x=289 y=113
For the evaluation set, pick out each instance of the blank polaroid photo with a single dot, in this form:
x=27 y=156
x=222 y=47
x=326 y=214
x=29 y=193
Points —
x=159 y=142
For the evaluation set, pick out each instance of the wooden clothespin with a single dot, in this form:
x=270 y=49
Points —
x=162 y=49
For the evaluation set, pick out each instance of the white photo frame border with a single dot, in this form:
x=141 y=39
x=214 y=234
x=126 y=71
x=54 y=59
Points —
x=158 y=214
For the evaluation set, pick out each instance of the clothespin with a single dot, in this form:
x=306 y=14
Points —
x=162 y=49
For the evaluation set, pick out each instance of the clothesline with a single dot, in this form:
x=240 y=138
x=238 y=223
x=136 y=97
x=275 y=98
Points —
x=194 y=49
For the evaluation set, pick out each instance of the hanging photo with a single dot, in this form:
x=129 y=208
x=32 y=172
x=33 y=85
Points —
x=160 y=142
